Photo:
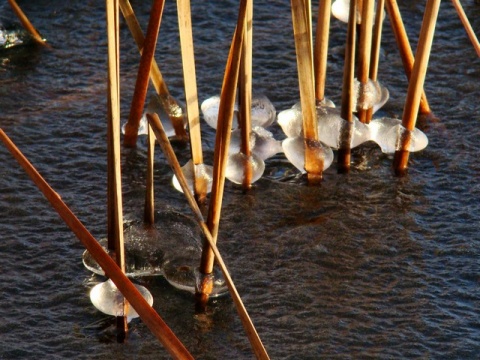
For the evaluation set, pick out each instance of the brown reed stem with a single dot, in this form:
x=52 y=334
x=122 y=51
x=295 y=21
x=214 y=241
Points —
x=27 y=24
x=301 y=20
x=321 y=48
x=141 y=85
x=222 y=142
x=174 y=111
x=364 y=52
x=191 y=95
x=466 y=24
x=149 y=213
x=344 y=151
x=114 y=178
x=247 y=323
x=148 y=315
x=245 y=97
x=415 y=87
x=376 y=46
x=404 y=47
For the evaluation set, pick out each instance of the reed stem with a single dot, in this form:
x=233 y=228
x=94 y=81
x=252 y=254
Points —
x=344 y=151
x=27 y=24
x=114 y=178
x=149 y=213
x=245 y=97
x=247 y=323
x=404 y=47
x=321 y=48
x=222 y=143
x=174 y=111
x=364 y=52
x=141 y=85
x=376 y=47
x=301 y=19
x=415 y=86
x=466 y=24
x=191 y=95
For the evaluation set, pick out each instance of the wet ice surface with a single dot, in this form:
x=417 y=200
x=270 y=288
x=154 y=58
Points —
x=364 y=266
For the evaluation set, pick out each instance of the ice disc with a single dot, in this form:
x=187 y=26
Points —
x=108 y=299
x=235 y=171
x=290 y=121
x=294 y=149
x=210 y=109
x=263 y=111
x=262 y=143
x=190 y=171
x=387 y=132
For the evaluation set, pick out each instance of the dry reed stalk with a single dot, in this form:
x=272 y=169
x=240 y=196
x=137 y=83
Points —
x=321 y=48
x=247 y=323
x=222 y=143
x=149 y=212
x=466 y=24
x=376 y=46
x=114 y=186
x=245 y=97
x=27 y=24
x=174 y=111
x=141 y=85
x=415 y=86
x=404 y=47
x=148 y=315
x=301 y=19
x=364 y=51
x=344 y=151
x=191 y=95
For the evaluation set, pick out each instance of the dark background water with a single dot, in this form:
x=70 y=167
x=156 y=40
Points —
x=366 y=265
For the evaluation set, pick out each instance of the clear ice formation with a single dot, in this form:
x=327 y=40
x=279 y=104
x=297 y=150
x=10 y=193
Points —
x=205 y=171
x=108 y=299
x=263 y=112
x=155 y=106
x=370 y=95
x=262 y=143
x=330 y=126
x=236 y=167
x=12 y=37
x=294 y=149
x=387 y=132
x=341 y=10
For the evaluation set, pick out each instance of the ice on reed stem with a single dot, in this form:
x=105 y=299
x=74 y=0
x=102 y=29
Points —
x=190 y=171
x=235 y=171
x=108 y=299
x=262 y=143
x=371 y=94
x=262 y=114
x=388 y=132
x=294 y=149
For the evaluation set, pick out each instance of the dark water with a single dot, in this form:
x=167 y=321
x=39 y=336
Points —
x=365 y=266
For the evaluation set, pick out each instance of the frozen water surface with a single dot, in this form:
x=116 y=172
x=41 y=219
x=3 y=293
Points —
x=262 y=143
